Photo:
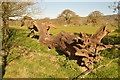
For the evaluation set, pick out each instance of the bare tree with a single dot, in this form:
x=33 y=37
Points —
x=67 y=15
x=116 y=8
x=7 y=10
x=76 y=20
x=12 y=9
x=95 y=17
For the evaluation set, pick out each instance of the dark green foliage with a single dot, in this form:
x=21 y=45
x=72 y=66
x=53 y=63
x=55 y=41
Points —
x=114 y=39
x=114 y=52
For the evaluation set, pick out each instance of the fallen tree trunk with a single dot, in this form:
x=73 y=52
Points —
x=83 y=48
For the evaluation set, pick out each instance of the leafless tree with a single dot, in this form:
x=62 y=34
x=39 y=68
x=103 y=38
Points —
x=116 y=8
x=95 y=17
x=12 y=9
x=67 y=15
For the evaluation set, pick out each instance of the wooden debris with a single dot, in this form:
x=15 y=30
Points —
x=33 y=26
x=83 y=48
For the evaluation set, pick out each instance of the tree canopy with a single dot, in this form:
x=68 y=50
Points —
x=67 y=15
x=95 y=17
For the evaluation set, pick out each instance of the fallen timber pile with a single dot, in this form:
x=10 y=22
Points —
x=83 y=48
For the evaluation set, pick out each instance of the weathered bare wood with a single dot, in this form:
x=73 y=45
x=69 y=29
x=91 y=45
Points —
x=83 y=48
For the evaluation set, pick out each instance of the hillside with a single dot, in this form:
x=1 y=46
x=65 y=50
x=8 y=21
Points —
x=109 y=19
x=28 y=59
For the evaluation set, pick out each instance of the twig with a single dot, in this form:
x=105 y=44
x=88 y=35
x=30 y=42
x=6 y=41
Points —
x=89 y=71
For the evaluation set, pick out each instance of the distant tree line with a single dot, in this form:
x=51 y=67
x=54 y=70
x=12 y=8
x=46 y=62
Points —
x=69 y=18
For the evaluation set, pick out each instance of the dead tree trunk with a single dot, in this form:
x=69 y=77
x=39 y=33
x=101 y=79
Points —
x=83 y=48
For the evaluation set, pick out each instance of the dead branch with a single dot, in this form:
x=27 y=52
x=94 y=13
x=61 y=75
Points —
x=89 y=71
x=83 y=48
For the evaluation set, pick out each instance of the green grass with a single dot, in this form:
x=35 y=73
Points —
x=76 y=29
x=29 y=59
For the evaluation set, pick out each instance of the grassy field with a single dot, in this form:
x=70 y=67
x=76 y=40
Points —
x=28 y=59
x=78 y=29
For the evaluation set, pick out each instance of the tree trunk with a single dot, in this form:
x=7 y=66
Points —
x=5 y=21
x=5 y=29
